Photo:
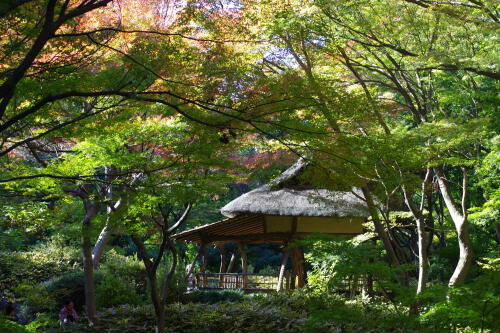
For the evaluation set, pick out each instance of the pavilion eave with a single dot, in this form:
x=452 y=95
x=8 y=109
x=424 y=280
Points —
x=247 y=228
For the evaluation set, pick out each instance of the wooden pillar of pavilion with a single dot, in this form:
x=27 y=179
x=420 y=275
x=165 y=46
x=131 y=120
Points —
x=293 y=274
x=223 y=263
x=298 y=275
x=299 y=267
x=244 y=263
x=204 y=267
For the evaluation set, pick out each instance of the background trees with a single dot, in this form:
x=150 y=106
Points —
x=113 y=111
x=380 y=84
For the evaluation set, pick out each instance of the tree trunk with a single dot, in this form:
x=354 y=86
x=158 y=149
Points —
x=379 y=228
x=88 y=267
x=105 y=234
x=284 y=259
x=170 y=274
x=231 y=263
x=196 y=257
x=158 y=304
x=465 y=248
x=368 y=286
x=423 y=267
x=100 y=244
x=460 y=220
x=160 y=299
x=160 y=320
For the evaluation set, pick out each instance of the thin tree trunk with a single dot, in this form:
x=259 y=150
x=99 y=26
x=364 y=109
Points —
x=158 y=304
x=417 y=212
x=106 y=233
x=160 y=299
x=196 y=257
x=284 y=259
x=153 y=289
x=100 y=245
x=422 y=245
x=88 y=267
x=160 y=320
x=379 y=228
x=368 y=286
x=460 y=220
x=231 y=263
x=430 y=223
x=170 y=274
x=423 y=267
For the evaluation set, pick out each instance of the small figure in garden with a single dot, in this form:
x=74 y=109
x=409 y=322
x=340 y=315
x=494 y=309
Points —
x=68 y=313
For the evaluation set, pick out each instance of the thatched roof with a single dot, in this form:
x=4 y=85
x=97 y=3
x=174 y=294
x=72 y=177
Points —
x=275 y=198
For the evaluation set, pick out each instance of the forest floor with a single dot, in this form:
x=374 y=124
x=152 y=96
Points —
x=260 y=313
x=256 y=313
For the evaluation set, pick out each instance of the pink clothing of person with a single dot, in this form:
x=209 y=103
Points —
x=68 y=314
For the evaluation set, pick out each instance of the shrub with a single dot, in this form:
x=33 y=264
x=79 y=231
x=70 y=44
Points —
x=215 y=296
x=35 y=298
x=41 y=263
x=472 y=306
x=8 y=326
x=129 y=268
x=50 y=295
x=69 y=286
x=41 y=323
x=115 y=290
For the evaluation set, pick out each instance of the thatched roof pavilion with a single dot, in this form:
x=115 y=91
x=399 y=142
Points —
x=281 y=211
x=285 y=196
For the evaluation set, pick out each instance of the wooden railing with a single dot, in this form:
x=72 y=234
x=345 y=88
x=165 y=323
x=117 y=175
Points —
x=248 y=282
x=254 y=282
